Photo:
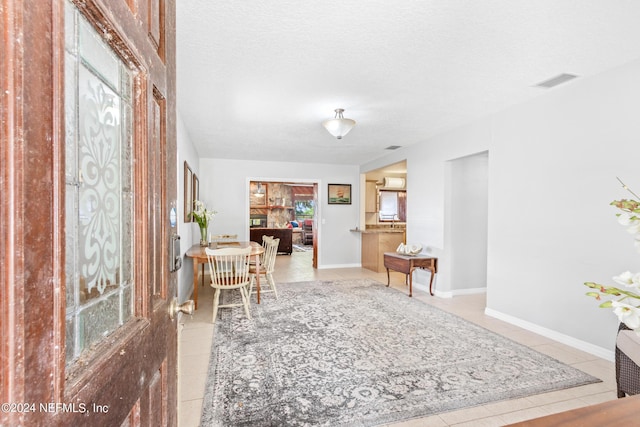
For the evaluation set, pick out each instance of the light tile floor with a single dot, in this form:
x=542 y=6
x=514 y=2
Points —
x=196 y=338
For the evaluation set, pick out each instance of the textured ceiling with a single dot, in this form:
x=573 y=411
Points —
x=257 y=78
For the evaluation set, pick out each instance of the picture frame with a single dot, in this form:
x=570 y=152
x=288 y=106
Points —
x=339 y=194
x=256 y=201
x=188 y=192
x=196 y=189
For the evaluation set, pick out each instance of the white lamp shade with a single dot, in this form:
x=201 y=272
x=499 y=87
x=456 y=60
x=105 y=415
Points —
x=339 y=126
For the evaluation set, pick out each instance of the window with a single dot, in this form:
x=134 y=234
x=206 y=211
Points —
x=393 y=206
x=99 y=187
x=304 y=209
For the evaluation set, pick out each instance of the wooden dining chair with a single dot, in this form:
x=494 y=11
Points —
x=265 y=241
x=267 y=266
x=229 y=269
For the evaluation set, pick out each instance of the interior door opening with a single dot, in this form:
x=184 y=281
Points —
x=468 y=222
x=275 y=207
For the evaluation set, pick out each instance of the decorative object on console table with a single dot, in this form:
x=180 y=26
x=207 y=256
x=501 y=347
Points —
x=409 y=249
x=339 y=194
x=203 y=217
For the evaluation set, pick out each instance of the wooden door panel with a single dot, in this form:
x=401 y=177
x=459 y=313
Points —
x=157 y=407
x=129 y=378
x=156 y=24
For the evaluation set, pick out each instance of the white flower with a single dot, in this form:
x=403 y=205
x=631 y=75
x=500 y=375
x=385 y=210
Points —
x=631 y=221
x=624 y=218
x=202 y=215
x=198 y=208
x=627 y=314
x=628 y=279
x=624 y=278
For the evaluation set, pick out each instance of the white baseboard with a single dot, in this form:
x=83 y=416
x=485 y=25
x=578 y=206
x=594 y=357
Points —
x=327 y=266
x=554 y=335
x=449 y=294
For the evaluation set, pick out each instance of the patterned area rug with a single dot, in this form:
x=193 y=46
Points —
x=360 y=354
x=302 y=248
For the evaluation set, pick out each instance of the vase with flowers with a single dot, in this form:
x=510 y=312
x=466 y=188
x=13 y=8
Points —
x=203 y=217
x=625 y=300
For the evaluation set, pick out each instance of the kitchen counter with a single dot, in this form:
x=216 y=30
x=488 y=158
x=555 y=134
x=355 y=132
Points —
x=378 y=230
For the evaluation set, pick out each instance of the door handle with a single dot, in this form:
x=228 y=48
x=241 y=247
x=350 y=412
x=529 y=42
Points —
x=186 y=307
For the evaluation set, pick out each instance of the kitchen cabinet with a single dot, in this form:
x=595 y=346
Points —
x=375 y=243
x=371 y=197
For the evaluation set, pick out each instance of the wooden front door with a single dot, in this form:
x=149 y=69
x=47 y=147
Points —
x=88 y=178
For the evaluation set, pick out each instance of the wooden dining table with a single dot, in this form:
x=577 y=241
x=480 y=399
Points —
x=197 y=253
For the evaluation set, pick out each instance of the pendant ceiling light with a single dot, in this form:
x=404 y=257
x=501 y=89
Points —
x=339 y=126
x=260 y=191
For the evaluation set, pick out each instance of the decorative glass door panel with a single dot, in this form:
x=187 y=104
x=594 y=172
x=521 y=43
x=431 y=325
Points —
x=99 y=189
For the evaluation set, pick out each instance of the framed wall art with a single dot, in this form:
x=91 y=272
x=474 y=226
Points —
x=339 y=194
x=188 y=192
x=196 y=188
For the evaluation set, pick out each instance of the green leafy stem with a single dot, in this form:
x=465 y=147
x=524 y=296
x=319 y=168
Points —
x=609 y=290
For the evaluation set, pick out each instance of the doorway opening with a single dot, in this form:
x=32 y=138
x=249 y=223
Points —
x=467 y=215
x=287 y=210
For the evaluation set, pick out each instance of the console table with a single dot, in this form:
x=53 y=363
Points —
x=406 y=264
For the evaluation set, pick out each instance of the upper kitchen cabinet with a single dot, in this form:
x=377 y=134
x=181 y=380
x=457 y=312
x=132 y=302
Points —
x=371 y=197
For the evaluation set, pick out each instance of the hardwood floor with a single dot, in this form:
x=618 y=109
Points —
x=196 y=338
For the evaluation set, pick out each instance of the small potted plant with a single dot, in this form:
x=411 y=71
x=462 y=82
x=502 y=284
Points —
x=625 y=300
x=203 y=217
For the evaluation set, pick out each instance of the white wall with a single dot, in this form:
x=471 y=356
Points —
x=187 y=231
x=551 y=177
x=224 y=187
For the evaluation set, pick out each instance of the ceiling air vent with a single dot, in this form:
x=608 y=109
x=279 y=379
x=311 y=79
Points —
x=555 y=81
x=393 y=147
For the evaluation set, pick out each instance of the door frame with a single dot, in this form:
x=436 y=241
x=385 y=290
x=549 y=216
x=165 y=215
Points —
x=132 y=373
x=316 y=211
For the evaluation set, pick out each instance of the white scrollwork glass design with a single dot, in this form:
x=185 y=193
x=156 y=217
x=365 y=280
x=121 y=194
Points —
x=98 y=196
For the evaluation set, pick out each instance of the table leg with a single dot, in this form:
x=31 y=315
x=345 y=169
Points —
x=195 y=283
x=433 y=273
x=258 y=278
x=388 y=279
x=202 y=274
x=411 y=281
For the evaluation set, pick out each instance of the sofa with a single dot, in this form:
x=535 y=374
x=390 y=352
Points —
x=296 y=228
x=284 y=234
